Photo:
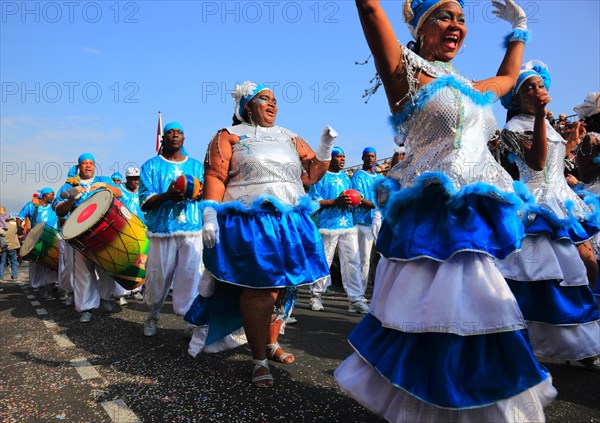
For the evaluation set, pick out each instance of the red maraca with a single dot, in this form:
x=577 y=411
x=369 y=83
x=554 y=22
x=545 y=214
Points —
x=354 y=196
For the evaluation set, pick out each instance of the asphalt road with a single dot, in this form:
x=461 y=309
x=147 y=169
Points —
x=53 y=368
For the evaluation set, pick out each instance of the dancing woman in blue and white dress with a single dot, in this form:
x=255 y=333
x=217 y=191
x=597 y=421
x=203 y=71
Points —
x=444 y=339
x=552 y=273
x=258 y=236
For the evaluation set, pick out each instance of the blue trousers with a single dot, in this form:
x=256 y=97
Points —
x=12 y=254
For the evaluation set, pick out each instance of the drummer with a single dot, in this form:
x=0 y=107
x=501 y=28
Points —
x=92 y=286
x=40 y=276
x=117 y=178
x=174 y=229
x=66 y=265
x=131 y=199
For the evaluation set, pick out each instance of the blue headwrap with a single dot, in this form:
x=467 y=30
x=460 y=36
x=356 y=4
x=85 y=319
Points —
x=173 y=125
x=117 y=175
x=369 y=150
x=528 y=70
x=336 y=151
x=417 y=11
x=45 y=190
x=74 y=170
x=86 y=156
x=243 y=94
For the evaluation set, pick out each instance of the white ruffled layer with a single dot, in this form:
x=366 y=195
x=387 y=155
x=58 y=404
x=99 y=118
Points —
x=540 y=259
x=466 y=295
x=198 y=341
x=373 y=391
x=566 y=342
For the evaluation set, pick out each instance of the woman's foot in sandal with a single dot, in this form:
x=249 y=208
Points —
x=261 y=374
x=276 y=353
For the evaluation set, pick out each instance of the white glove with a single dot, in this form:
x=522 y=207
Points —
x=510 y=12
x=327 y=139
x=210 y=229
x=376 y=225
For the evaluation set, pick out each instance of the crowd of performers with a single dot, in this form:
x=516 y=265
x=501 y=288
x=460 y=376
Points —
x=478 y=273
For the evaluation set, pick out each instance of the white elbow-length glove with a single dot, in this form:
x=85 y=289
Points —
x=328 y=137
x=510 y=12
x=210 y=228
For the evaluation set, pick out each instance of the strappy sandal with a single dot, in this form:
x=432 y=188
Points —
x=262 y=381
x=283 y=357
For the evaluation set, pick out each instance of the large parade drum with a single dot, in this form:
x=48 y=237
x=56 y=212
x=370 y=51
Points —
x=41 y=246
x=107 y=233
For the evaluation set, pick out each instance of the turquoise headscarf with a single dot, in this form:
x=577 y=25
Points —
x=86 y=156
x=243 y=94
x=528 y=70
x=417 y=11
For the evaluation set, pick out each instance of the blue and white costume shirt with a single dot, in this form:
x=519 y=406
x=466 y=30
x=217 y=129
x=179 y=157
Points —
x=329 y=188
x=132 y=202
x=171 y=217
x=44 y=214
x=363 y=181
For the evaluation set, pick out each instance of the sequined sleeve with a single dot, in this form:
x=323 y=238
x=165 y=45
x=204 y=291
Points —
x=512 y=142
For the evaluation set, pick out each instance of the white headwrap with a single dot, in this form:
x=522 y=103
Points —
x=590 y=106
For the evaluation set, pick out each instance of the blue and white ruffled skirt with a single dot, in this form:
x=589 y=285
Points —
x=444 y=339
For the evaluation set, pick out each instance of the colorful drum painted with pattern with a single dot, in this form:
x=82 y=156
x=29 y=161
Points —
x=107 y=233
x=41 y=246
x=189 y=185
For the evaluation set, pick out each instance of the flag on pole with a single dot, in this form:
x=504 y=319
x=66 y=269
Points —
x=159 y=134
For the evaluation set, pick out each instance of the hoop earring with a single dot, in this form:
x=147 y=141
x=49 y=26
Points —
x=462 y=49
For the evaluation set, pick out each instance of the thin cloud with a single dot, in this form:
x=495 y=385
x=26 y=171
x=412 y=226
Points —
x=91 y=50
x=38 y=152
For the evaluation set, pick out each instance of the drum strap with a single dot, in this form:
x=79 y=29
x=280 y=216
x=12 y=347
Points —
x=35 y=213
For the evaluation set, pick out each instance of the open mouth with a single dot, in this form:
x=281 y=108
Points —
x=451 y=41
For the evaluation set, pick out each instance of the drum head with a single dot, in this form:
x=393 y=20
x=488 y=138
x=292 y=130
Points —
x=87 y=214
x=32 y=238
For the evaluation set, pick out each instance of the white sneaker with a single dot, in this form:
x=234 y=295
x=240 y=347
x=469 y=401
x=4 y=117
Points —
x=69 y=300
x=86 y=316
x=150 y=327
x=122 y=301
x=106 y=305
x=138 y=296
x=316 y=304
x=358 y=307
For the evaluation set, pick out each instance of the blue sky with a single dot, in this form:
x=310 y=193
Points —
x=91 y=76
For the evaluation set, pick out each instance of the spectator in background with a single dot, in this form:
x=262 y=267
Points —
x=10 y=247
x=550 y=117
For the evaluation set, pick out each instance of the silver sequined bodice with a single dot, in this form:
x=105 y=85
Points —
x=264 y=162
x=548 y=186
x=448 y=134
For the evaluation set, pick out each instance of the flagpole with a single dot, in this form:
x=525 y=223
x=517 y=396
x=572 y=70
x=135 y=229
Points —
x=159 y=134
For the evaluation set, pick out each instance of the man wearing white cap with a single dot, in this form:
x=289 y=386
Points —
x=131 y=200
x=131 y=197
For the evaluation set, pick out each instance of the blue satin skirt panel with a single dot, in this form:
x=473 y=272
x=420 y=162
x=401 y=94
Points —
x=267 y=249
x=431 y=220
x=549 y=302
x=221 y=312
x=450 y=370
x=571 y=229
